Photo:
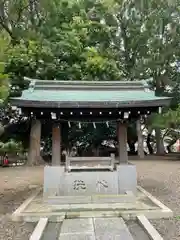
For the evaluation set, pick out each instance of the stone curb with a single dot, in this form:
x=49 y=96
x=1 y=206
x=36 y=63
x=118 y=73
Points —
x=39 y=229
x=148 y=227
x=16 y=216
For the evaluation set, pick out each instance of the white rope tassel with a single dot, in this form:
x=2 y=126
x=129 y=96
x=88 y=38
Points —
x=126 y=115
x=94 y=125
x=107 y=123
x=69 y=124
x=160 y=110
x=20 y=111
x=53 y=115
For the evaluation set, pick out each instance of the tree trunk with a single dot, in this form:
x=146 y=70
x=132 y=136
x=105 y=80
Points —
x=34 y=157
x=132 y=148
x=32 y=10
x=159 y=142
x=97 y=152
x=173 y=141
x=158 y=92
x=140 y=140
x=150 y=149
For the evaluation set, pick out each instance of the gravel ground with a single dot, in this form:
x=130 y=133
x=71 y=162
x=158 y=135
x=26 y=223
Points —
x=16 y=185
x=160 y=178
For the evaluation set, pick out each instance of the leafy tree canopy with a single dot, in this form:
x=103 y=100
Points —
x=90 y=40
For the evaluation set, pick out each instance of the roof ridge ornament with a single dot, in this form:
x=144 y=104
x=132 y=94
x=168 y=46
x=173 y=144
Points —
x=32 y=83
x=146 y=86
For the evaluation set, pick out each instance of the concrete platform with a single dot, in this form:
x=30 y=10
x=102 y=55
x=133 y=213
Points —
x=144 y=204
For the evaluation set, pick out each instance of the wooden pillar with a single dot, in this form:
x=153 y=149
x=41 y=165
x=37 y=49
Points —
x=122 y=143
x=35 y=143
x=56 y=145
x=140 y=140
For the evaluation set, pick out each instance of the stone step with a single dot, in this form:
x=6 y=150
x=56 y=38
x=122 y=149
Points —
x=124 y=198
x=98 y=207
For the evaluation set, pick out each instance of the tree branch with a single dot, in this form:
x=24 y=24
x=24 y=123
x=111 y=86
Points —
x=6 y=28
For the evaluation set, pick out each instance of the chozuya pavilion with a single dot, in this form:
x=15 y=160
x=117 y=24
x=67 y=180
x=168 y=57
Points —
x=86 y=101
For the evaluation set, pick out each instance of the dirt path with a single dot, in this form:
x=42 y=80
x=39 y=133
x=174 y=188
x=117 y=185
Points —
x=16 y=185
x=161 y=178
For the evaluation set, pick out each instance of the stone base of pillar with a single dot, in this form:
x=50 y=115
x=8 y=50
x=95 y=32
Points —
x=127 y=177
x=52 y=178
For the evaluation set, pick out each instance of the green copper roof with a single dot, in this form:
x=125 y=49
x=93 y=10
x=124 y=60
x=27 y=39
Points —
x=78 y=93
x=86 y=95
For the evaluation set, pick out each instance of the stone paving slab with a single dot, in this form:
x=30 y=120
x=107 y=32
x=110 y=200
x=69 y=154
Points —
x=98 y=229
x=52 y=231
x=111 y=228
x=73 y=229
x=70 y=226
x=83 y=236
x=95 y=229
x=137 y=232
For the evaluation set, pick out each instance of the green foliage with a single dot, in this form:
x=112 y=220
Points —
x=4 y=87
x=170 y=119
x=10 y=147
x=91 y=40
x=22 y=62
x=89 y=135
x=4 y=81
x=95 y=40
x=71 y=44
x=149 y=36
